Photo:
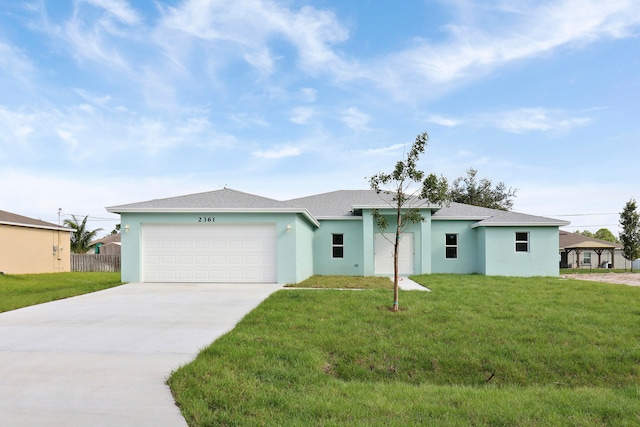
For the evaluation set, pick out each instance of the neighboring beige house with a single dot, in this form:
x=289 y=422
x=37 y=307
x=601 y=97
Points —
x=29 y=245
x=578 y=251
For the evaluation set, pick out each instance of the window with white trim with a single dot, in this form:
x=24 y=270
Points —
x=337 y=245
x=522 y=242
x=586 y=258
x=451 y=246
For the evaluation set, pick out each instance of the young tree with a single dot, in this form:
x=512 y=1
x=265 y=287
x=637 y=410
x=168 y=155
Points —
x=81 y=237
x=409 y=190
x=630 y=236
x=467 y=190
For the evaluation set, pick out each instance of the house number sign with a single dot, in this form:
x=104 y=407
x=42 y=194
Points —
x=206 y=219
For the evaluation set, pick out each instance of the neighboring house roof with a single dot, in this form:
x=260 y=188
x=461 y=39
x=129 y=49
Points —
x=112 y=238
x=224 y=200
x=8 y=218
x=570 y=240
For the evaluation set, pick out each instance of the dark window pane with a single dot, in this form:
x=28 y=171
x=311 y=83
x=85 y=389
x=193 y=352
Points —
x=338 y=252
x=522 y=247
x=452 y=252
x=451 y=239
x=522 y=237
x=338 y=239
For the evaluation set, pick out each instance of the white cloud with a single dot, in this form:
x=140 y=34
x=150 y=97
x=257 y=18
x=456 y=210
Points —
x=311 y=31
x=309 y=94
x=75 y=129
x=384 y=150
x=519 y=120
x=301 y=115
x=247 y=120
x=16 y=126
x=534 y=119
x=15 y=63
x=118 y=8
x=279 y=153
x=355 y=119
x=92 y=45
x=532 y=29
x=100 y=101
x=443 y=121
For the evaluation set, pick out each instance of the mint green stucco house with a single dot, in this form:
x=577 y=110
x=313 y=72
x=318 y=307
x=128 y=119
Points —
x=234 y=237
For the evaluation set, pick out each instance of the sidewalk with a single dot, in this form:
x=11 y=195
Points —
x=407 y=284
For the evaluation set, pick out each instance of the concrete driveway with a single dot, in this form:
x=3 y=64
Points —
x=102 y=359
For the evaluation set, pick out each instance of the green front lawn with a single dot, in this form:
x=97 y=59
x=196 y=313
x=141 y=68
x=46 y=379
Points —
x=22 y=290
x=483 y=351
x=345 y=282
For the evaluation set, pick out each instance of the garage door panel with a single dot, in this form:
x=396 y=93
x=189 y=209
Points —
x=183 y=245
x=202 y=276
x=209 y=253
x=167 y=260
x=185 y=276
x=218 y=260
x=201 y=244
x=168 y=244
x=185 y=260
x=202 y=260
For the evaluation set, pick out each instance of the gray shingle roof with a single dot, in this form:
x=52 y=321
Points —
x=487 y=217
x=519 y=219
x=225 y=198
x=341 y=203
x=335 y=204
x=8 y=218
x=462 y=211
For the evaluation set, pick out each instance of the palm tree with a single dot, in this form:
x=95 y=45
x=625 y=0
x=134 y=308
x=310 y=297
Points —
x=81 y=238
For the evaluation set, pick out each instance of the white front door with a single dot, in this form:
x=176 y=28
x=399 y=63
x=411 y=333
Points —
x=231 y=253
x=383 y=253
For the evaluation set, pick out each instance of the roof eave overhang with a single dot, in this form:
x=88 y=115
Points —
x=390 y=207
x=304 y=212
x=460 y=218
x=41 y=227
x=338 y=217
x=522 y=224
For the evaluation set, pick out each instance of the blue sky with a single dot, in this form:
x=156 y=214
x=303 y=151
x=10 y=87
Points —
x=106 y=102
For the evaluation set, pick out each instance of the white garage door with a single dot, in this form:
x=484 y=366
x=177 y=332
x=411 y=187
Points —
x=231 y=253
x=383 y=248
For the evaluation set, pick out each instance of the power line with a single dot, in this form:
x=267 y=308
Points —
x=585 y=214
x=89 y=217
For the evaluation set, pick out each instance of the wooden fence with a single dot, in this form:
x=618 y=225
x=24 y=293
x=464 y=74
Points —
x=95 y=262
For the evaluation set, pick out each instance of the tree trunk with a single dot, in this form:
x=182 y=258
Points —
x=396 y=248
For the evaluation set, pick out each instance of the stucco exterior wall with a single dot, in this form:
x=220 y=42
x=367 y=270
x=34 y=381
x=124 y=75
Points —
x=289 y=250
x=26 y=250
x=303 y=233
x=542 y=259
x=352 y=262
x=467 y=261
